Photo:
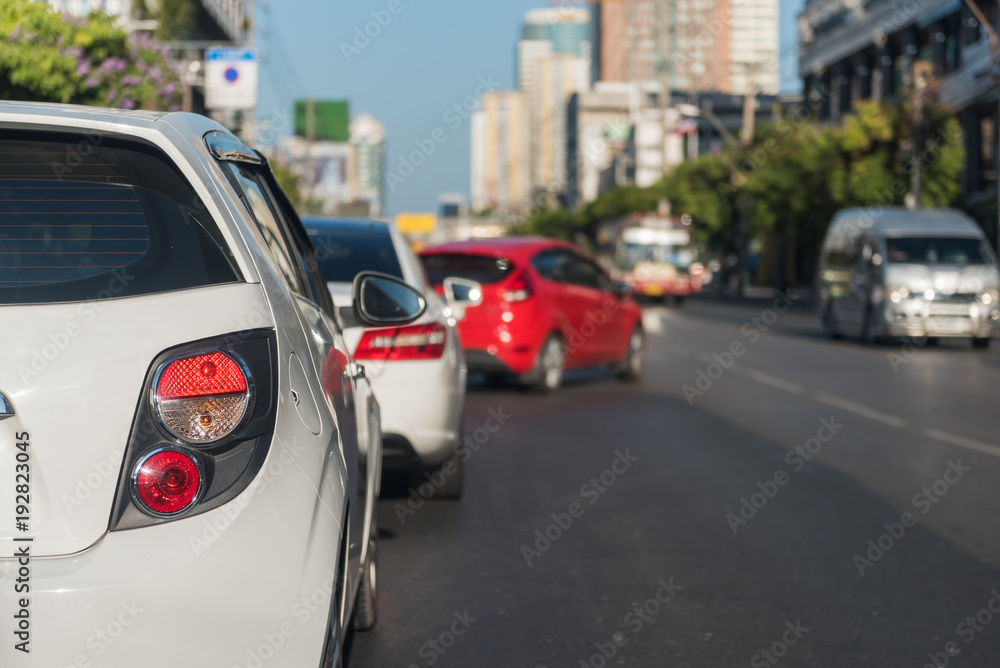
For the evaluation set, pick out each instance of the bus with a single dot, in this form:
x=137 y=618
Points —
x=654 y=254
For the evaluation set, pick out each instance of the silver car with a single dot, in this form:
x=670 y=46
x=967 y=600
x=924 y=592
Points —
x=898 y=272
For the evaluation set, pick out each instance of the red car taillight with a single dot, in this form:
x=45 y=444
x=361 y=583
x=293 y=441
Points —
x=167 y=481
x=413 y=342
x=202 y=398
x=518 y=289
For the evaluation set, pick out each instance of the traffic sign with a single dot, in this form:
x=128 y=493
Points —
x=230 y=78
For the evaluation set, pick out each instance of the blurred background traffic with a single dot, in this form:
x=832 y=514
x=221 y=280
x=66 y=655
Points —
x=816 y=183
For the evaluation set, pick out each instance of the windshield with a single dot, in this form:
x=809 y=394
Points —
x=677 y=256
x=938 y=250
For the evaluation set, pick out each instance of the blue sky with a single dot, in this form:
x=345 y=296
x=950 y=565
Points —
x=430 y=56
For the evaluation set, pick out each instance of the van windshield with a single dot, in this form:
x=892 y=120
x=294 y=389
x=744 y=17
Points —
x=938 y=250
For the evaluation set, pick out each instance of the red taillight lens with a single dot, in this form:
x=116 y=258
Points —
x=167 y=482
x=202 y=398
x=518 y=289
x=414 y=342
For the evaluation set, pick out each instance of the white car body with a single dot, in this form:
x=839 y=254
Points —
x=253 y=581
x=422 y=399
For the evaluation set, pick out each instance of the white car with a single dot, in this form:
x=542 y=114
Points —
x=418 y=370
x=189 y=458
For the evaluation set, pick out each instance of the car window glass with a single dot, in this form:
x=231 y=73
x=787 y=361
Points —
x=553 y=265
x=269 y=227
x=587 y=274
x=484 y=269
x=119 y=220
x=342 y=256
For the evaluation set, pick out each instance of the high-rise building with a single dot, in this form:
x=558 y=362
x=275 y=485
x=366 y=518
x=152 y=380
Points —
x=569 y=29
x=558 y=77
x=711 y=45
x=500 y=153
x=554 y=60
x=368 y=142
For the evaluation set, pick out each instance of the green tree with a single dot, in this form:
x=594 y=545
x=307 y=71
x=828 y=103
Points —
x=47 y=57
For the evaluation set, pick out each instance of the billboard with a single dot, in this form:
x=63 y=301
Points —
x=331 y=119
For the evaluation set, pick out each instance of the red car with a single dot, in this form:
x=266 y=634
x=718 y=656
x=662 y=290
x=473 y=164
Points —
x=546 y=307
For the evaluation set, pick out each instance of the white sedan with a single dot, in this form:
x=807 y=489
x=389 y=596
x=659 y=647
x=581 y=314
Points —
x=188 y=454
x=418 y=370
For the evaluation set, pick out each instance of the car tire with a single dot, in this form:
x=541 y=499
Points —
x=365 y=610
x=981 y=343
x=453 y=484
x=547 y=376
x=678 y=301
x=630 y=368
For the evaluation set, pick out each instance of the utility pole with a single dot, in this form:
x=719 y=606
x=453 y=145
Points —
x=664 y=7
x=995 y=57
x=749 y=107
x=919 y=77
x=310 y=138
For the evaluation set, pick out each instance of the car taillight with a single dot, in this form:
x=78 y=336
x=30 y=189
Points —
x=518 y=289
x=167 y=481
x=413 y=342
x=202 y=398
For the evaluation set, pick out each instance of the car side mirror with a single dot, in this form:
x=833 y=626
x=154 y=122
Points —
x=461 y=293
x=381 y=300
x=622 y=290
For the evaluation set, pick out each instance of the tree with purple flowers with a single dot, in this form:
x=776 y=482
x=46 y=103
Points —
x=49 y=57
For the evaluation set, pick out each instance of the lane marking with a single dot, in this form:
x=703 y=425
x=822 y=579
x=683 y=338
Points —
x=962 y=442
x=774 y=381
x=858 y=409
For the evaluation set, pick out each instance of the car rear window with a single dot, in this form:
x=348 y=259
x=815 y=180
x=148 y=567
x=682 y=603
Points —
x=91 y=217
x=342 y=256
x=482 y=268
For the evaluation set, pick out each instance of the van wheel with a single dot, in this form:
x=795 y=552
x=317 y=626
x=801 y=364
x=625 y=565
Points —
x=868 y=332
x=830 y=323
x=981 y=343
x=547 y=375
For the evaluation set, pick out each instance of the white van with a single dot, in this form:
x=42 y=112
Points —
x=908 y=273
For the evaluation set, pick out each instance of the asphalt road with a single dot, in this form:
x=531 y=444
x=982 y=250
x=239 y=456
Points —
x=722 y=524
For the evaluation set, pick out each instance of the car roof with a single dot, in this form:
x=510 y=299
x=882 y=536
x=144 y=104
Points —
x=346 y=226
x=511 y=247
x=899 y=220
